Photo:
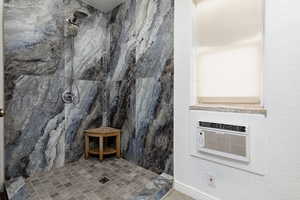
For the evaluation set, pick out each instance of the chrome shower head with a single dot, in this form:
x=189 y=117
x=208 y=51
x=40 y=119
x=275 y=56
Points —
x=77 y=16
x=80 y=14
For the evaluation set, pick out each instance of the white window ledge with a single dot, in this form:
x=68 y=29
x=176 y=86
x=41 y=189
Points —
x=233 y=108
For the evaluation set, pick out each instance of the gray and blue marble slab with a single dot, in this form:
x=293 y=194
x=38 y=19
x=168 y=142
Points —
x=123 y=42
x=148 y=139
x=15 y=189
x=154 y=125
x=121 y=112
x=33 y=37
x=91 y=44
x=123 y=73
x=34 y=126
x=154 y=37
x=82 y=116
x=156 y=189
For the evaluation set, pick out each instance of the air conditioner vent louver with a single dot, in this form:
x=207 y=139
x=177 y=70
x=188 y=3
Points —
x=226 y=143
x=226 y=140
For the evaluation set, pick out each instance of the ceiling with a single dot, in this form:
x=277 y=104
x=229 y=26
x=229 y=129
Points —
x=104 y=5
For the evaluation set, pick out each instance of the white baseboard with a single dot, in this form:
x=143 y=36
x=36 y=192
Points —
x=192 y=192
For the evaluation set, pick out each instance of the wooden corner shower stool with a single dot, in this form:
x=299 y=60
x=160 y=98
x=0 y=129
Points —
x=103 y=148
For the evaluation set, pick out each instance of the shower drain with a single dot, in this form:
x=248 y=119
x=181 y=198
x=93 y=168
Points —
x=104 y=180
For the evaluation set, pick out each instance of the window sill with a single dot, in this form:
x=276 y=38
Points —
x=232 y=108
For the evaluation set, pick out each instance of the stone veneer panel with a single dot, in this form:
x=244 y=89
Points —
x=123 y=66
x=142 y=45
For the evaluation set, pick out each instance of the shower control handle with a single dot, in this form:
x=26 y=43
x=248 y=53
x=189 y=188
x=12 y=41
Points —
x=2 y=113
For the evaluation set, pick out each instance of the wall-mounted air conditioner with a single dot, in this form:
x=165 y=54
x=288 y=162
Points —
x=225 y=140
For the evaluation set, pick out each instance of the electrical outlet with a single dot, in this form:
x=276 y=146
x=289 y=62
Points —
x=211 y=180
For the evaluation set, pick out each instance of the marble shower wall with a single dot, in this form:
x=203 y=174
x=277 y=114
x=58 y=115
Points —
x=91 y=50
x=123 y=67
x=140 y=81
x=34 y=124
x=41 y=132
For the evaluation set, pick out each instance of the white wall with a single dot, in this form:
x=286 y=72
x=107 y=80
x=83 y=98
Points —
x=275 y=139
x=1 y=98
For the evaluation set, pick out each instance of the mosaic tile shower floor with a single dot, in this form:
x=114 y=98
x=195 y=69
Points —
x=112 y=179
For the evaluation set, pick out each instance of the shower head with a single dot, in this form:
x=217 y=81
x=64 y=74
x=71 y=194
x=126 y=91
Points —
x=80 y=14
x=74 y=21
x=77 y=16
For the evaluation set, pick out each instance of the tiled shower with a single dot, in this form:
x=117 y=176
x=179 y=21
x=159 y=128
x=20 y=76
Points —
x=123 y=71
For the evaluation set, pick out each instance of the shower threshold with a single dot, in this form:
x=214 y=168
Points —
x=112 y=179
